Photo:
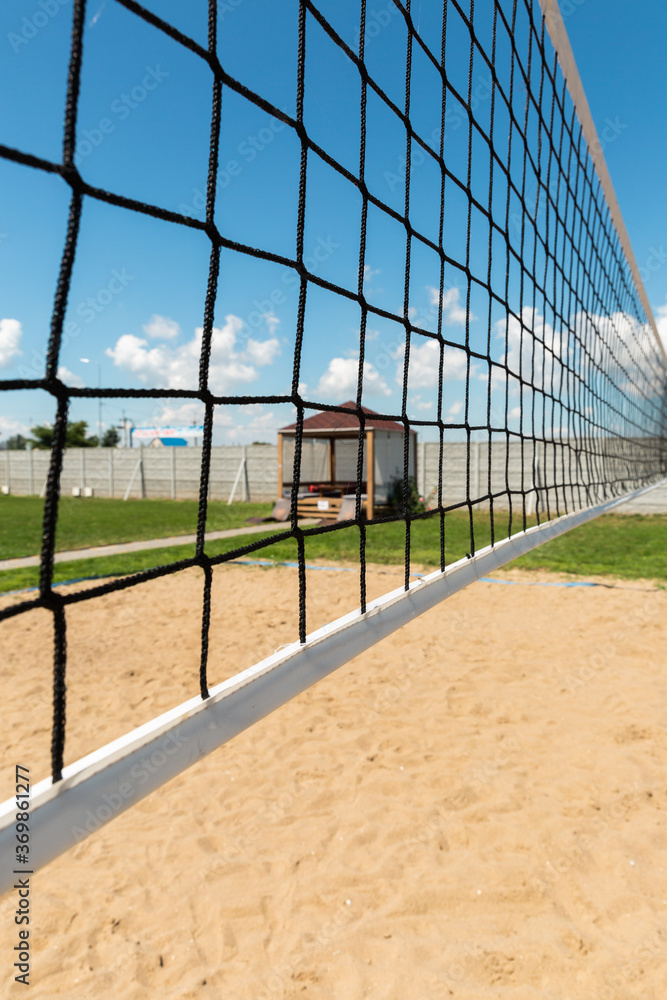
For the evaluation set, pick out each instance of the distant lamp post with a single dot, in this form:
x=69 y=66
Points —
x=88 y=361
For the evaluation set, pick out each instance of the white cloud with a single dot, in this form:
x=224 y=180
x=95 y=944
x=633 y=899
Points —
x=534 y=348
x=262 y=352
x=232 y=363
x=515 y=412
x=340 y=380
x=69 y=378
x=453 y=313
x=10 y=341
x=262 y=427
x=161 y=328
x=9 y=427
x=243 y=425
x=425 y=364
x=422 y=404
x=617 y=344
x=272 y=322
x=178 y=416
x=456 y=407
x=370 y=272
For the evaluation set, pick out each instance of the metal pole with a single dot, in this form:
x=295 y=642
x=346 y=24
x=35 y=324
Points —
x=475 y=468
x=143 y=478
x=246 y=484
x=132 y=478
x=238 y=476
x=421 y=469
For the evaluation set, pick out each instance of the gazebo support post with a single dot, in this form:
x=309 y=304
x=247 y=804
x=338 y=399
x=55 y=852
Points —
x=280 y=466
x=370 y=474
x=332 y=460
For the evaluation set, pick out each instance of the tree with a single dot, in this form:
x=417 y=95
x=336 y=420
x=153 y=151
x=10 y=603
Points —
x=42 y=437
x=111 y=438
x=415 y=503
x=75 y=436
x=16 y=443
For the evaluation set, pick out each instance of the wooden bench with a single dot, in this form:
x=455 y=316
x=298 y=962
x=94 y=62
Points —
x=336 y=509
x=324 y=508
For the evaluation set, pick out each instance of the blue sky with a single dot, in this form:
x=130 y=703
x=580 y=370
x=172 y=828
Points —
x=137 y=295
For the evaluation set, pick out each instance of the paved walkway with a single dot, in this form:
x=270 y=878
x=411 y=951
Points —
x=153 y=543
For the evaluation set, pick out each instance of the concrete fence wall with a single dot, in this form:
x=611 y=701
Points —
x=151 y=472
x=174 y=473
x=533 y=470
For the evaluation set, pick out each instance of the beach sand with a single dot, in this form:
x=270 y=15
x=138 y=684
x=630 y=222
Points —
x=473 y=808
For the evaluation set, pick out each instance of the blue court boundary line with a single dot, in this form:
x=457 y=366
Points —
x=332 y=569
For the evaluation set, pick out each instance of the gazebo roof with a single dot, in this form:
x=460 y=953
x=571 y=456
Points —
x=328 y=422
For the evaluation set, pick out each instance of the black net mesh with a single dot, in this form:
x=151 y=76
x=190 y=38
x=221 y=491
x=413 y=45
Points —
x=574 y=381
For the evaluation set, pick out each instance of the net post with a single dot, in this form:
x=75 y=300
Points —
x=332 y=460
x=142 y=475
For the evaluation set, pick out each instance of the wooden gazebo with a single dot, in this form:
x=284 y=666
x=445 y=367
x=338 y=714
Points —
x=328 y=479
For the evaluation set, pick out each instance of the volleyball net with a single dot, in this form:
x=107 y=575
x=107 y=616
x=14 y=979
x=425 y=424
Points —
x=509 y=320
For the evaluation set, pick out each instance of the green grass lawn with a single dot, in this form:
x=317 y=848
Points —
x=104 y=522
x=385 y=544
x=629 y=547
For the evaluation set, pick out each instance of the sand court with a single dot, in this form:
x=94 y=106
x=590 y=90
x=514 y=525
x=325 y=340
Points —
x=473 y=808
